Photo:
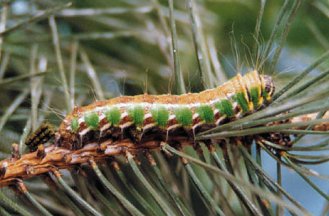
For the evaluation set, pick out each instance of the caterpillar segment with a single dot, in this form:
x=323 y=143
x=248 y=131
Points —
x=138 y=117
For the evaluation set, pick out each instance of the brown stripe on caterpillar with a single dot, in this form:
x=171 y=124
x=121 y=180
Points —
x=137 y=116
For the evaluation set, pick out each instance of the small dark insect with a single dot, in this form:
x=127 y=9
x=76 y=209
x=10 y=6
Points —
x=43 y=134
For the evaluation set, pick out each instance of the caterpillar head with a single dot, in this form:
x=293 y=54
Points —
x=268 y=87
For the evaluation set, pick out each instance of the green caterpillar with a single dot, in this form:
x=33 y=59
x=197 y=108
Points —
x=143 y=116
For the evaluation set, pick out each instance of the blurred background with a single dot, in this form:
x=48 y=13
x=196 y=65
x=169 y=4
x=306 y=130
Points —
x=105 y=49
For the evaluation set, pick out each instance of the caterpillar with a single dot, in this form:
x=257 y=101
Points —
x=136 y=123
x=138 y=117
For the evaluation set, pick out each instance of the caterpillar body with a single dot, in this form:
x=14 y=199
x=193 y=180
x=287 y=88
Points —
x=143 y=116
